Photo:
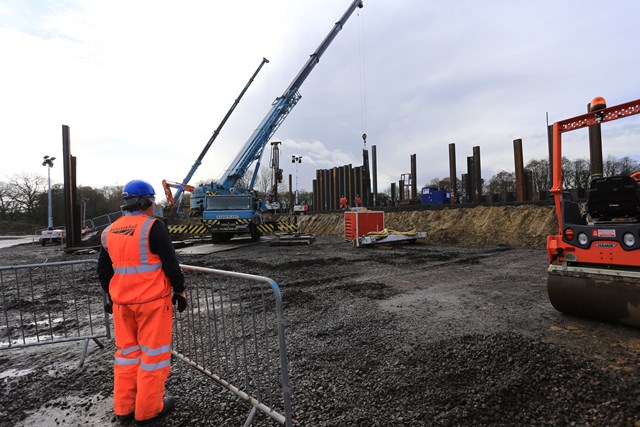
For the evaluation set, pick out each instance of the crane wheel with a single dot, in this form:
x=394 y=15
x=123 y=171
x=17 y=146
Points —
x=255 y=233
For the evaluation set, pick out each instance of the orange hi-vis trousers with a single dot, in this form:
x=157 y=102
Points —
x=143 y=356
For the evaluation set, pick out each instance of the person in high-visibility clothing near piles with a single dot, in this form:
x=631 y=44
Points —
x=138 y=268
x=343 y=202
x=357 y=201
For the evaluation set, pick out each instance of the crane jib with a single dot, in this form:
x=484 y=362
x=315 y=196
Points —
x=315 y=56
x=215 y=134
x=280 y=109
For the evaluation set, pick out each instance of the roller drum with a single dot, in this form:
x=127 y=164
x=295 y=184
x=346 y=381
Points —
x=594 y=293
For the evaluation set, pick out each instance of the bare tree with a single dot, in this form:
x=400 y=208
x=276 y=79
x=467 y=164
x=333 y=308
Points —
x=6 y=201
x=502 y=182
x=628 y=166
x=540 y=174
x=263 y=180
x=443 y=184
x=580 y=174
x=611 y=166
x=435 y=183
x=109 y=199
x=27 y=188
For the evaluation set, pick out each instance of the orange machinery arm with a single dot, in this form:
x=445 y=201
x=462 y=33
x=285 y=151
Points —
x=166 y=185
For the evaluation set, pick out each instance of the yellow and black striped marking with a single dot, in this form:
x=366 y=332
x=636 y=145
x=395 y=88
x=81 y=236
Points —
x=266 y=228
x=287 y=226
x=187 y=229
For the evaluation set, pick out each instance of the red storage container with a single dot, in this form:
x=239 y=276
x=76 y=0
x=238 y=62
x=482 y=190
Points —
x=360 y=222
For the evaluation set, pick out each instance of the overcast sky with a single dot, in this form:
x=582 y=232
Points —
x=143 y=84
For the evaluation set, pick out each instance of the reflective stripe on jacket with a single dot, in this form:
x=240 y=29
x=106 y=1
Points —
x=137 y=272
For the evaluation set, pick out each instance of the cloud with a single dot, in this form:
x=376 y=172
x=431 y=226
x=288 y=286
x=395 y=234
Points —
x=144 y=84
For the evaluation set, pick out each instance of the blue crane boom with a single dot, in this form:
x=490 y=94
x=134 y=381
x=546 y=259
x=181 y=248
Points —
x=215 y=134
x=280 y=109
x=228 y=209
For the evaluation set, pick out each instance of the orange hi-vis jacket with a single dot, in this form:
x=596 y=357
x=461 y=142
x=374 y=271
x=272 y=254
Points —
x=137 y=272
x=142 y=318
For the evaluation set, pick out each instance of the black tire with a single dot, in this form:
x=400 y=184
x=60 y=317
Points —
x=220 y=238
x=255 y=234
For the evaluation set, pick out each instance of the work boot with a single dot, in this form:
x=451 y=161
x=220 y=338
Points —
x=167 y=403
x=125 y=418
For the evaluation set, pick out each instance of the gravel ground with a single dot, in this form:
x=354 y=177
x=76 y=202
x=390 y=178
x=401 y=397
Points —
x=410 y=335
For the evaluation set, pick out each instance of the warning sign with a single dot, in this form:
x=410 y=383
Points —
x=603 y=232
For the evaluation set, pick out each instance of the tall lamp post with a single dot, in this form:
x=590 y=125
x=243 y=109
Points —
x=296 y=160
x=84 y=211
x=48 y=161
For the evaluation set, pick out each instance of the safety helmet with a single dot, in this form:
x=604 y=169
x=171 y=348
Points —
x=138 y=195
x=137 y=189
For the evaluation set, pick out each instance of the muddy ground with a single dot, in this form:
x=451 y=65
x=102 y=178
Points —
x=428 y=334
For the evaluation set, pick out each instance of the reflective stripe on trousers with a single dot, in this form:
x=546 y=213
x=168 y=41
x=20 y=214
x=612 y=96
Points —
x=143 y=359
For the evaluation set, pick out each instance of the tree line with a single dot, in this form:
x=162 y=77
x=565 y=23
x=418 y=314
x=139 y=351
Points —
x=24 y=197
x=575 y=175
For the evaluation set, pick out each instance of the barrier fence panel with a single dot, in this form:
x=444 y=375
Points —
x=104 y=220
x=233 y=331
x=51 y=303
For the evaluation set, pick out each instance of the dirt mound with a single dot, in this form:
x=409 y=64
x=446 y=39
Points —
x=480 y=225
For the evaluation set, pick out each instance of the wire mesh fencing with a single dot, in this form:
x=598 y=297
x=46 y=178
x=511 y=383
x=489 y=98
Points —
x=233 y=331
x=51 y=303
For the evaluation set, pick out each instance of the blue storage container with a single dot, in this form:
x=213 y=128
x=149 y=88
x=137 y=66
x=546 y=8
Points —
x=433 y=196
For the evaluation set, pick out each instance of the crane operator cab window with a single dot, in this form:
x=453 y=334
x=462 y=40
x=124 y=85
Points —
x=227 y=203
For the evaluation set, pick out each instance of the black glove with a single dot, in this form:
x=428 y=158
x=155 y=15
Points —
x=178 y=298
x=108 y=307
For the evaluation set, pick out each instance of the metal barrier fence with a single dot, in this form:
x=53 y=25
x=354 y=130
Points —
x=101 y=221
x=233 y=332
x=52 y=303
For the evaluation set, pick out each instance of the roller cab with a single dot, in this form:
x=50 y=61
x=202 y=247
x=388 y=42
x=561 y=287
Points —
x=594 y=260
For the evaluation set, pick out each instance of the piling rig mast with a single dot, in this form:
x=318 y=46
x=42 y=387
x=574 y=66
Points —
x=276 y=176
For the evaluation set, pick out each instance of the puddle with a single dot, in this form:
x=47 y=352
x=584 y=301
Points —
x=14 y=373
x=93 y=410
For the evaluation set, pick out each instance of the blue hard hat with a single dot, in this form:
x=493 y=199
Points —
x=137 y=188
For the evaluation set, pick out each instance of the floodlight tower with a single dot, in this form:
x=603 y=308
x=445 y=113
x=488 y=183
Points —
x=48 y=161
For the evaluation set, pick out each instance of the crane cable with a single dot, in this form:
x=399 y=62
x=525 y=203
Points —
x=362 y=78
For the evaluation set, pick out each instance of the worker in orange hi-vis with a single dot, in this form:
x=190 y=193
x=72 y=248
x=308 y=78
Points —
x=343 y=202
x=137 y=268
x=357 y=201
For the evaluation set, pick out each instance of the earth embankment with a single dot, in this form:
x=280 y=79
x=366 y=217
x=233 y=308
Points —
x=523 y=225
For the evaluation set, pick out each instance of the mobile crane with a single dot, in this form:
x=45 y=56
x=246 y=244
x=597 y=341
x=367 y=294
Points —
x=594 y=259
x=229 y=209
